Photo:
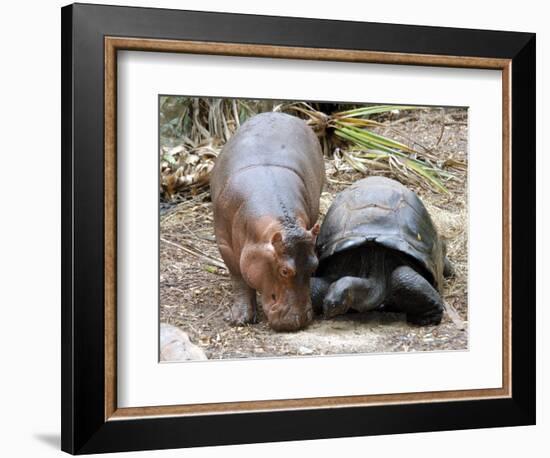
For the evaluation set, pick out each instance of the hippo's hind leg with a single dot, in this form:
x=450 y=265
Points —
x=413 y=294
x=243 y=309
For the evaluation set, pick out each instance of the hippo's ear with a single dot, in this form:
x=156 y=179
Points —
x=277 y=241
x=315 y=231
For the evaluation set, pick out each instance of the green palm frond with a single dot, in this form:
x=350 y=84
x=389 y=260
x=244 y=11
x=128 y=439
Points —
x=373 y=149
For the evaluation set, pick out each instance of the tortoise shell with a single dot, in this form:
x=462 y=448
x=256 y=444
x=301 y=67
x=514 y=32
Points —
x=383 y=211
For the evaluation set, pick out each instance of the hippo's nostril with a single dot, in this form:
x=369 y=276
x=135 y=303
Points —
x=273 y=297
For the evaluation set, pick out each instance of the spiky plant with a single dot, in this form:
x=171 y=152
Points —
x=369 y=149
x=193 y=131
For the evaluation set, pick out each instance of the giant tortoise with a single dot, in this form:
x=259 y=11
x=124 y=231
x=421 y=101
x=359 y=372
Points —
x=378 y=248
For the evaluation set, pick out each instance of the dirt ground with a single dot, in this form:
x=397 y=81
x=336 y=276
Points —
x=195 y=291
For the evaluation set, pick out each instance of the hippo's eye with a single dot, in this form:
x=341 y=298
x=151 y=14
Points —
x=286 y=272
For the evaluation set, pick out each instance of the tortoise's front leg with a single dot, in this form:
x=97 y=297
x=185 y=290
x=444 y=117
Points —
x=318 y=290
x=414 y=295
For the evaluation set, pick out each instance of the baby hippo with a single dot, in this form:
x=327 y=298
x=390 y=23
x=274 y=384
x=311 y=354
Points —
x=266 y=186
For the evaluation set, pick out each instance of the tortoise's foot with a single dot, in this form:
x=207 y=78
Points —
x=427 y=319
x=415 y=296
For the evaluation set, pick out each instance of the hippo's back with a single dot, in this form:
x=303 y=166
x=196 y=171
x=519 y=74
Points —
x=274 y=140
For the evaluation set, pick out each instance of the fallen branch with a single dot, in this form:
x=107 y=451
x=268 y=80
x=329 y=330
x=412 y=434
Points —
x=455 y=317
x=215 y=312
x=198 y=254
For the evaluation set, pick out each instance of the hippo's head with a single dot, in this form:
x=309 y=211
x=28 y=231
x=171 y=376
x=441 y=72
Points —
x=280 y=267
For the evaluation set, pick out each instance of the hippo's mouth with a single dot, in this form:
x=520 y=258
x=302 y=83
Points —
x=288 y=319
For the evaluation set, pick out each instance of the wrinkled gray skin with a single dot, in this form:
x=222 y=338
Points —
x=379 y=249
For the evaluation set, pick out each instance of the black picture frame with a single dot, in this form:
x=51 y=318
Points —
x=84 y=427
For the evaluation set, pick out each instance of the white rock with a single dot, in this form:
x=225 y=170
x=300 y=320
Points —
x=305 y=351
x=176 y=346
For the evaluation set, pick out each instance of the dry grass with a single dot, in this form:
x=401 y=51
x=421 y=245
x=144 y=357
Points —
x=196 y=293
x=193 y=131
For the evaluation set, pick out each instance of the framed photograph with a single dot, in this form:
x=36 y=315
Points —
x=284 y=228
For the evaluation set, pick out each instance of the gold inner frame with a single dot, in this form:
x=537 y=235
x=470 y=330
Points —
x=112 y=45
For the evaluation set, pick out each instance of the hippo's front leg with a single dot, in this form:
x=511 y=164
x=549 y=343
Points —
x=243 y=309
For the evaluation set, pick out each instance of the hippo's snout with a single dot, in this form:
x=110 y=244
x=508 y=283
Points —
x=289 y=318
